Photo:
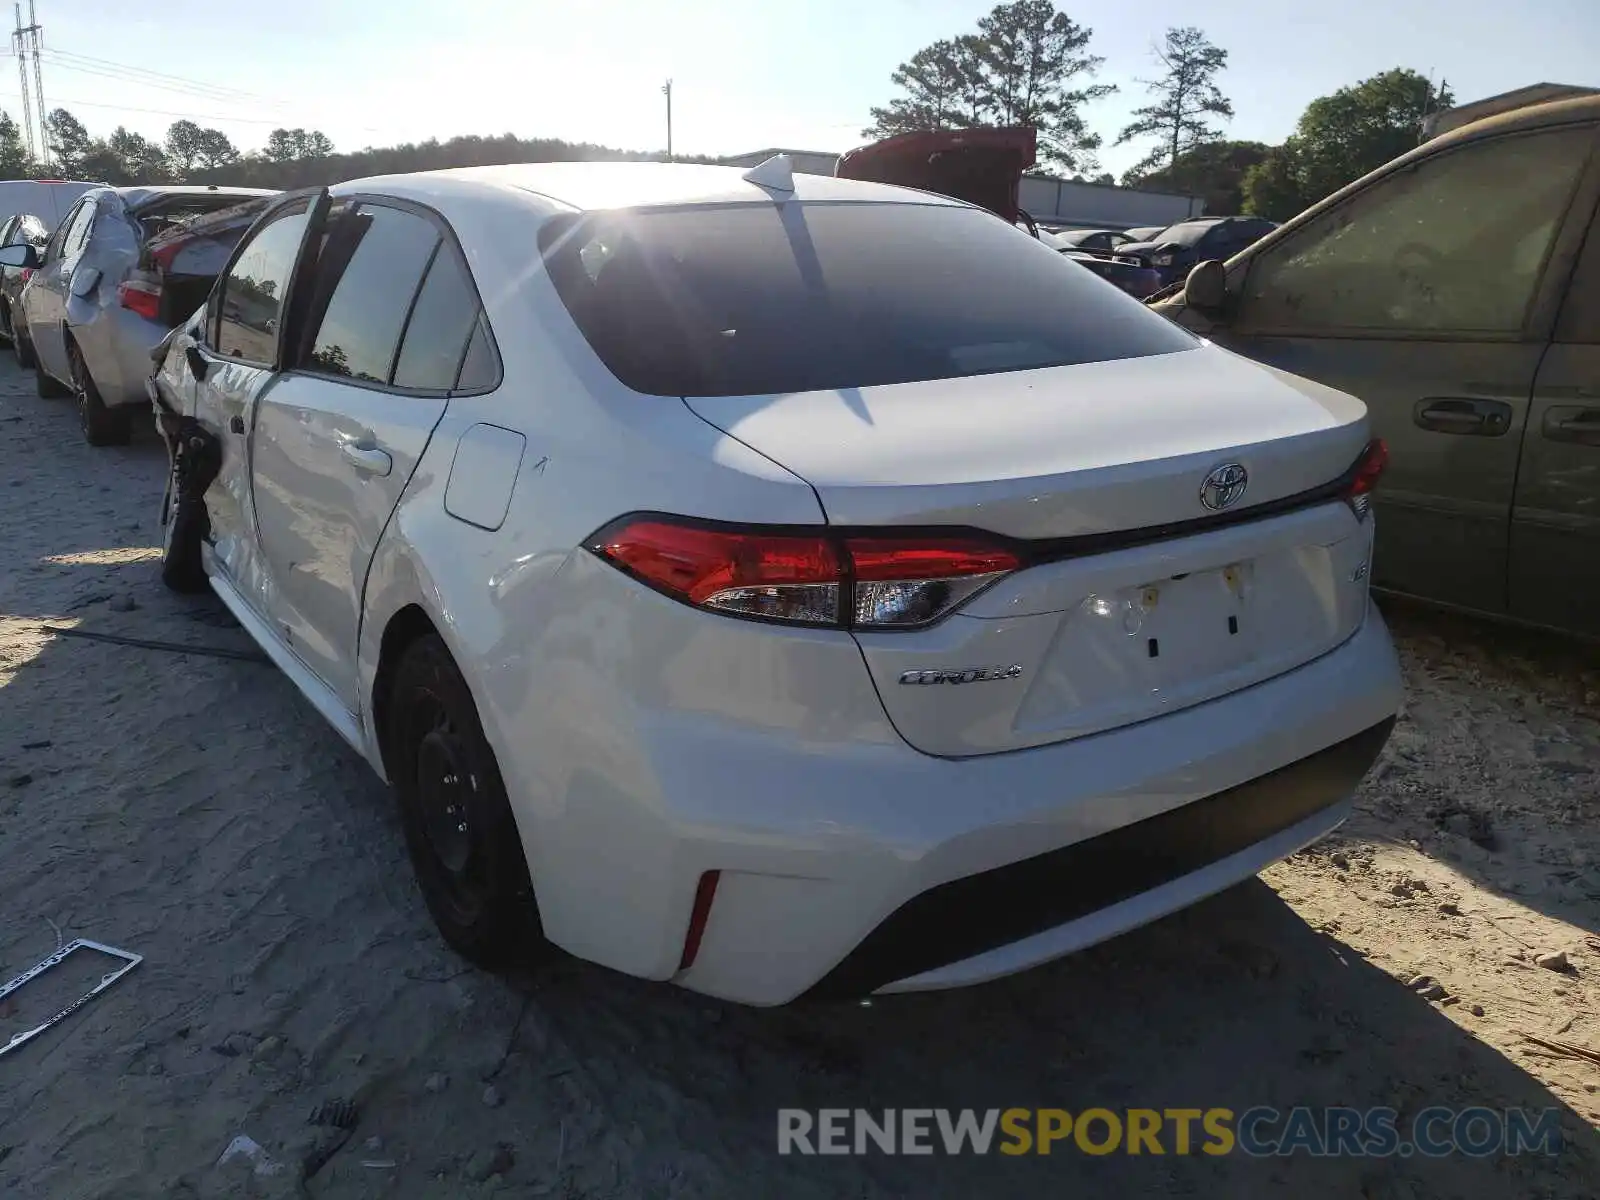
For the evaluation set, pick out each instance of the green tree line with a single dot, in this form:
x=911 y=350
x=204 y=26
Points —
x=1029 y=63
x=291 y=158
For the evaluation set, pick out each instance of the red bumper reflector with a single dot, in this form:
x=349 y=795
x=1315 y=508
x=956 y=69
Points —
x=704 y=893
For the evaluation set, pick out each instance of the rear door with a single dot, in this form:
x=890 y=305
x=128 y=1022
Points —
x=1427 y=295
x=47 y=291
x=1555 y=521
x=336 y=440
x=242 y=349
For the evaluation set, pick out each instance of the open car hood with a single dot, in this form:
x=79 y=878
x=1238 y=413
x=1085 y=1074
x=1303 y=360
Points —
x=981 y=166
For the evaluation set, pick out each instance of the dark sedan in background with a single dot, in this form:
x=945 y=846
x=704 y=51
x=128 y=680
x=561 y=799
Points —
x=1176 y=249
x=1129 y=274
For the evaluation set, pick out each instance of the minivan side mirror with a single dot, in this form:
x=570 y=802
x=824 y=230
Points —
x=19 y=254
x=1206 y=288
x=198 y=363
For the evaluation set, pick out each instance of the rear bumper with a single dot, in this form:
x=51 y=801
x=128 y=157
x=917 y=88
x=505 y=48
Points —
x=845 y=864
x=116 y=345
x=999 y=921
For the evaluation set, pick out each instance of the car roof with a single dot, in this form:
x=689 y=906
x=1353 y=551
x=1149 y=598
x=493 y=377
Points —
x=1555 y=112
x=587 y=186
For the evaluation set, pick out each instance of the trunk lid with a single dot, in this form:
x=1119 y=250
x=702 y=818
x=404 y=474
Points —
x=1159 y=603
x=1062 y=452
x=980 y=166
x=185 y=244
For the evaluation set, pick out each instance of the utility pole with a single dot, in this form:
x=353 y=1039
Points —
x=19 y=48
x=38 y=83
x=23 y=40
x=666 y=90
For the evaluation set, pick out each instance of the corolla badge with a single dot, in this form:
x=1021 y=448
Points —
x=962 y=675
x=1224 y=486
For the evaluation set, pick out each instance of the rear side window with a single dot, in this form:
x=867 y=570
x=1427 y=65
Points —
x=52 y=248
x=250 y=307
x=754 y=299
x=441 y=321
x=368 y=272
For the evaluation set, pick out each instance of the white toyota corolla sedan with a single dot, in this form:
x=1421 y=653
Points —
x=780 y=585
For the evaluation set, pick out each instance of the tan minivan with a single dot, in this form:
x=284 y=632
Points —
x=1457 y=291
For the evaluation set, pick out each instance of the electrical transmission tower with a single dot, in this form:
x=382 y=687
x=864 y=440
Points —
x=25 y=41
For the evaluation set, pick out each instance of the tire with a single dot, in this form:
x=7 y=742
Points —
x=5 y=324
x=183 y=529
x=48 y=386
x=101 y=426
x=23 y=349
x=459 y=829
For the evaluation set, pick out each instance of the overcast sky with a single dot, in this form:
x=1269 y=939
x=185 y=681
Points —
x=748 y=74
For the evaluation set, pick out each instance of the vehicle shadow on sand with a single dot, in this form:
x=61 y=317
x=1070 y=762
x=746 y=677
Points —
x=1235 y=1003
x=1495 y=768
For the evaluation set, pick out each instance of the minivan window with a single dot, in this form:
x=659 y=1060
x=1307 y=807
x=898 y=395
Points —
x=1455 y=243
x=754 y=299
x=441 y=321
x=367 y=274
x=251 y=301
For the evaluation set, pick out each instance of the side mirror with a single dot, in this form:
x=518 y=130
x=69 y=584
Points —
x=19 y=255
x=198 y=363
x=1206 y=287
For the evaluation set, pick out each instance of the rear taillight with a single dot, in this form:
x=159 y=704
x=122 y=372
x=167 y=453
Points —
x=1364 y=477
x=865 y=581
x=27 y=274
x=143 y=298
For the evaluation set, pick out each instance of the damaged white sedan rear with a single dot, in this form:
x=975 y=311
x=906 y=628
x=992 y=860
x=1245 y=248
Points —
x=780 y=585
x=124 y=266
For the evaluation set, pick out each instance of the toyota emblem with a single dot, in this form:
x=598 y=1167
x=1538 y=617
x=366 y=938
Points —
x=1224 y=486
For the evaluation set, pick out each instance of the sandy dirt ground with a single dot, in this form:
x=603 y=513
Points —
x=195 y=810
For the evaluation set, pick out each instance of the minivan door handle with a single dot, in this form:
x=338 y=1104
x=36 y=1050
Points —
x=1570 y=423
x=1470 y=418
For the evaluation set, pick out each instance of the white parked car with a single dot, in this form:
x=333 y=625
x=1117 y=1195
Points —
x=780 y=585
x=124 y=266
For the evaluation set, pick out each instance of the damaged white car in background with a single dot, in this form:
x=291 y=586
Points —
x=124 y=267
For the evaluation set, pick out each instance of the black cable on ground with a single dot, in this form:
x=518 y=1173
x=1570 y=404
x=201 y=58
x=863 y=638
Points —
x=173 y=647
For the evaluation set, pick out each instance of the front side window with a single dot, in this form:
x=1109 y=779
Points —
x=754 y=299
x=1455 y=243
x=250 y=308
x=368 y=272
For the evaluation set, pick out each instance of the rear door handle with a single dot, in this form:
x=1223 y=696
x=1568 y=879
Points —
x=1470 y=418
x=364 y=455
x=1570 y=423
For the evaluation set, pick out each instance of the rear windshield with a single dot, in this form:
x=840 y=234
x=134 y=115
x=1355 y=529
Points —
x=754 y=299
